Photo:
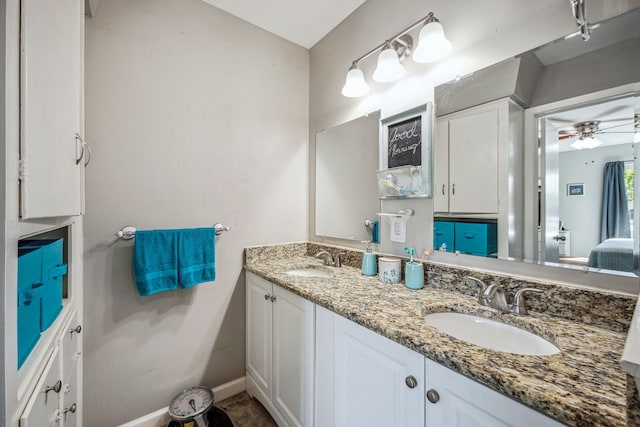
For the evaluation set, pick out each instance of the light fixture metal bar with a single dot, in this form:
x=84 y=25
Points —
x=400 y=34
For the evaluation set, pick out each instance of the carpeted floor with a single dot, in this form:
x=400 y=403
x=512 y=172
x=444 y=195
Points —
x=246 y=412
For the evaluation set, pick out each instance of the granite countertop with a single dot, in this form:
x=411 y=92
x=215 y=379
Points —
x=583 y=385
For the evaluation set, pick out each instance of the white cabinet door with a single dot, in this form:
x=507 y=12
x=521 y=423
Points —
x=293 y=329
x=466 y=403
x=51 y=107
x=370 y=380
x=473 y=163
x=42 y=408
x=280 y=346
x=441 y=167
x=259 y=328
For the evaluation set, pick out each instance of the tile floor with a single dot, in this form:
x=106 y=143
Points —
x=246 y=412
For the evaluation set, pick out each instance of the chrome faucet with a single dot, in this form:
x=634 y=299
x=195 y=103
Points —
x=494 y=296
x=330 y=259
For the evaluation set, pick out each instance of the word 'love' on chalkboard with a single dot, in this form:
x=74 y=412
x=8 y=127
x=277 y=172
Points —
x=405 y=143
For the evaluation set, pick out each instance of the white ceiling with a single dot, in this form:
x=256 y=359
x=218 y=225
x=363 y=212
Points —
x=303 y=22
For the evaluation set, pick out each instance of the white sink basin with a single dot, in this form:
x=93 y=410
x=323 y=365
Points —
x=309 y=272
x=491 y=334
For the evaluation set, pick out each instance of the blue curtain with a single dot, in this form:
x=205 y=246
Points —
x=615 y=213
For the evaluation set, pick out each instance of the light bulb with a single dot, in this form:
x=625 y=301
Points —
x=389 y=67
x=355 y=85
x=432 y=43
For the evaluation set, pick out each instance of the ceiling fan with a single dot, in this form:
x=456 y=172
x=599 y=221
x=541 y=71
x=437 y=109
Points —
x=585 y=131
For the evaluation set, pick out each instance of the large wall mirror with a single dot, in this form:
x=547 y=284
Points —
x=588 y=186
x=346 y=184
x=574 y=99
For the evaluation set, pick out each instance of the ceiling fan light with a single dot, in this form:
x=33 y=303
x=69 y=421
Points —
x=591 y=142
x=577 y=144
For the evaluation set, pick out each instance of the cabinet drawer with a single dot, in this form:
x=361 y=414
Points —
x=476 y=238
x=443 y=234
x=42 y=408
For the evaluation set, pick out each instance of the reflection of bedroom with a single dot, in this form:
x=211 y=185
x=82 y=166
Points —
x=596 y=194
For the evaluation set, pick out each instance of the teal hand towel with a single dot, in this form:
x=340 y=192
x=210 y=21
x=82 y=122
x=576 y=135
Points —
x=196 y=256
x=155 y=261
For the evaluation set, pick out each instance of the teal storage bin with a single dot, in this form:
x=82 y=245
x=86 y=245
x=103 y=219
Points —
x=476 y=238
x=443 y=234
x=30 y=288
x=52 y=270
x=40 y=272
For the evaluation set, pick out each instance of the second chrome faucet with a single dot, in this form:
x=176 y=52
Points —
x=493 y=296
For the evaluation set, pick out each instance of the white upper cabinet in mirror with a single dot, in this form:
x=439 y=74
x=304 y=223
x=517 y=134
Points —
x=346 y=184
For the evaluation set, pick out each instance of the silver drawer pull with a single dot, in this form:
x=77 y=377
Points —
x=433 y=396
x=56 y=387
x=411 y=381
x=77 y=330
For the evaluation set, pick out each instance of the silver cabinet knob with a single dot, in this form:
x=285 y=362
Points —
x=273 y=299
x=73 y=408
x=433 y=396
x=411 y=381
x=56 y=387
x=266 y=296
x=77 y=330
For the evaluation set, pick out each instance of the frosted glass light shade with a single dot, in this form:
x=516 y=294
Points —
x=432 y=44
x=355 y=85
x=389 y=67
x=586 y=142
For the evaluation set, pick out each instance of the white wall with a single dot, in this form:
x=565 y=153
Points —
x=482 y=33
x=194 y=117
x=581 y=214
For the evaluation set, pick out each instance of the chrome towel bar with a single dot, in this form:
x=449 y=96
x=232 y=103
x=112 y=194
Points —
x=128 y=232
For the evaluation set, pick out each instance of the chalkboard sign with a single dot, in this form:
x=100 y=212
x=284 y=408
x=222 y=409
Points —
x=405 y=143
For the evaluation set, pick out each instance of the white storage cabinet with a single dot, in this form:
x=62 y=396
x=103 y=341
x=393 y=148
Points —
x=54 y=401
x=477 y=169
x=365 y=379
x=280 y=338
x=53 y=153
x=454 y=400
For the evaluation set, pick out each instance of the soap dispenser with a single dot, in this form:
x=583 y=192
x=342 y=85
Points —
x=368 y=261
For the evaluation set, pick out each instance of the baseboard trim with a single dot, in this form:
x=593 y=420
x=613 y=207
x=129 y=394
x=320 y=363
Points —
x=160 y=418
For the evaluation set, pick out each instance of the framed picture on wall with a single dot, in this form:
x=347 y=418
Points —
x=405 y=150
x=575 y=189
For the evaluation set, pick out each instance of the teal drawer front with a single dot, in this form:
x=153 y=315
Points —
x=476 y=238
x=443 y=235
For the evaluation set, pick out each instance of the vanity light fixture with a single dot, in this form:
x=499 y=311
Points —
x=432 y=46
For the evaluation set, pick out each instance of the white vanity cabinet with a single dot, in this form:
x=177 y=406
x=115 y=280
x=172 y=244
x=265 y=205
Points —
x=52 y=151
x=364 y=379
x=280 y=342
x=477 y=169
x=55 y=400
x=454 y=400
